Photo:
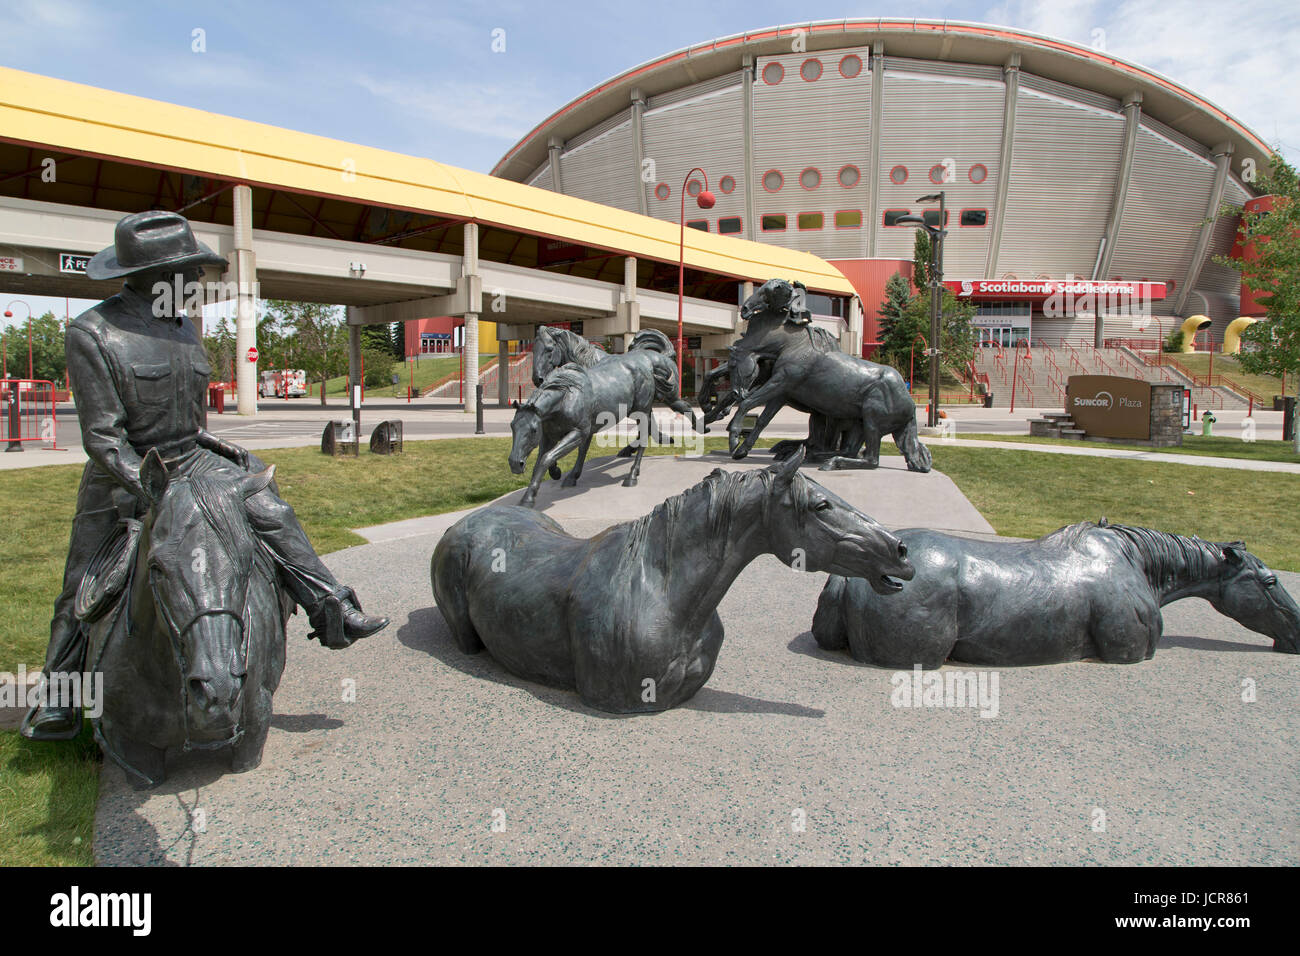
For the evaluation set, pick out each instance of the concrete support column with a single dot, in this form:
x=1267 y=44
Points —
x=1097 y=331
x=503 y=373
x=638 y=151
x=469 y=268
x=877 y=122
x=244 y=266
x=553 y=149
x=1132 y=120
x=855 y=327
x=747 y=126
x=1011 y=77
x=1222 y=160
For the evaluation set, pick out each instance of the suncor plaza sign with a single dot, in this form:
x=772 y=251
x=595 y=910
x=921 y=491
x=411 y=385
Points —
x=1109 y=406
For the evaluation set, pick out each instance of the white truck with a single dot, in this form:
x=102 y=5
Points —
x=282 y=383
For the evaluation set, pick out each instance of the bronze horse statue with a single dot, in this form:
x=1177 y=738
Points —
x=629 y=617
x=186 y=621
x=573 y=402
x=1088 y=591
x=782 y=359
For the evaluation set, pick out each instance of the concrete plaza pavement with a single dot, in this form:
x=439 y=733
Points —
x=790 y=754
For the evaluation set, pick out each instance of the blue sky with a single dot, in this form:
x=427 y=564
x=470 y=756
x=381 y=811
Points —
x=422 y=78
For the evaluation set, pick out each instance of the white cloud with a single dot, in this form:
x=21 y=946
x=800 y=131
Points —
x=1238 y=55
x=497 y=111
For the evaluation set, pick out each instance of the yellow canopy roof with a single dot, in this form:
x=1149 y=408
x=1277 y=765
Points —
x=40 y=110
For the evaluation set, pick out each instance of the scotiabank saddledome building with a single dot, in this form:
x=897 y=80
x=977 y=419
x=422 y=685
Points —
x=1076 y=185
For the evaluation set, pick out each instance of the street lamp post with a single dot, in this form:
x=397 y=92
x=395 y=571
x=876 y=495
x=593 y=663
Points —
x=704 y=200
x=936 y=235
x=10 y=315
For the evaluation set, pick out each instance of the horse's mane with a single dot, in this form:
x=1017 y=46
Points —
x=576 y=347
x=568 y=378
x=221 y=503
x=1161 y=553
x=722 y=492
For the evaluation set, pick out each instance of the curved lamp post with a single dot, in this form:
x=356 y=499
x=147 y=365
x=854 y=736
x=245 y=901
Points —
x=704 y=200
x=10 y=315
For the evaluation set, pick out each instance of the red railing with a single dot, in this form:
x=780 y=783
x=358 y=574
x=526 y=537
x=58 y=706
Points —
x=27 y=413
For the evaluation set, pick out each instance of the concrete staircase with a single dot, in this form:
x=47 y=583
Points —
x=520 y=381
x=1039 y=377
x=1055 y=425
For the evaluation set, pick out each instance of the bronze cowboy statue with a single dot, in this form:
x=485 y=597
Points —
x=141 y=375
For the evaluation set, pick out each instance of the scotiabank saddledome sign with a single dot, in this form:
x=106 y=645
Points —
x=1109 y=406
x=1046 y=288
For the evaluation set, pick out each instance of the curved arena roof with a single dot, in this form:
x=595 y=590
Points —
x=943 y=40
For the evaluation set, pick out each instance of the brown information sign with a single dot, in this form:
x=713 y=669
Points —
x=1109 y=406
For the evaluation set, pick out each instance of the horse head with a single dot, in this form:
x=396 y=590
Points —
x=526 y=434
x=548 y=354
x=1250 y=594
x=805 y=520
x=779 y=297
x=200 y=559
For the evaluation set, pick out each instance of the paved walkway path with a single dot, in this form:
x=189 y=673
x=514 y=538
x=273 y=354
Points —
x=789 y=755
x=1101 y=451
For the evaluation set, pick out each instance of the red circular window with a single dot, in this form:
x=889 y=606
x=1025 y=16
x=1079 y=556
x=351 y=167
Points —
x=978 y=173
x=938 y=174
x=773 y=180
x=662 y=191
x=773 y=74
x=811 y=70
x=849 y=176
x=898 y=175
x=810 y=178
x=850 y=66
x=727 y=183
x=693 y=188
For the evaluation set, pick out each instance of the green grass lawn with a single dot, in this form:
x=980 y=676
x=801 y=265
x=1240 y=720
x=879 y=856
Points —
x=1216 y=446
x=427 y=371
x=48 y=791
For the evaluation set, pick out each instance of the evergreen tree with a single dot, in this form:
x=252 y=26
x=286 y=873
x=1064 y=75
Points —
x=320 y=337
x=921 y=262
x=1269 y=263
x=898 y=294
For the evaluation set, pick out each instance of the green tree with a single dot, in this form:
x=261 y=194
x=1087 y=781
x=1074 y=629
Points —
x=220 y=346
x=1272 y=273
x=398 y=336
x=921 y=262
x=379 y=364
x=320 y=337
x=957 y=337
x=898 y=294
x=48 y=361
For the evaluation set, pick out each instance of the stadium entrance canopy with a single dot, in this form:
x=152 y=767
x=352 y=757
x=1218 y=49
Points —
x=393 y=237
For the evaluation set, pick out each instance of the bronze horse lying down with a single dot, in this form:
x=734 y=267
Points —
x=629 y=617
x=1088 y=591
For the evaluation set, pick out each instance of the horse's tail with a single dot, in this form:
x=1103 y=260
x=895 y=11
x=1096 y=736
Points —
x=915 y=454
x=654 y=341
x=667 y=386
x=828 y=626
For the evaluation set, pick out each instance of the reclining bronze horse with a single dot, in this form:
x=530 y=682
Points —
x=1088 y=591
x=629 y=617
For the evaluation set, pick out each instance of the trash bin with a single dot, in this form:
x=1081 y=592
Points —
x=988 y=399
x=1207 y=424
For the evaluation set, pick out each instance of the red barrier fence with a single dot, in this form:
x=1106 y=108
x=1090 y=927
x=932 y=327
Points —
x=27 y=413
